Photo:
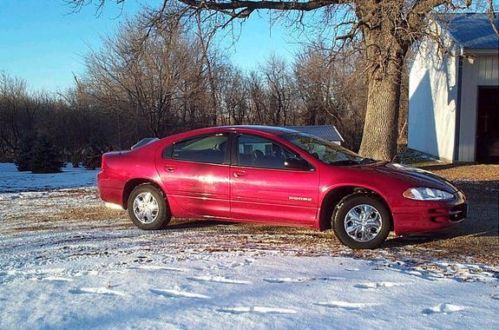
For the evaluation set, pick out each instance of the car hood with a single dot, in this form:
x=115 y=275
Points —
x=417 y=177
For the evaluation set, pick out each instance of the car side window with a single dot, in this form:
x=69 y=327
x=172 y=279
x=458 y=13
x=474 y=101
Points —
x=255 y=151
x=206 y=149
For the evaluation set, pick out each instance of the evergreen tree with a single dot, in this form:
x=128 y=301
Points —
x=45 y=158
x=24 y=153
x=76 y=158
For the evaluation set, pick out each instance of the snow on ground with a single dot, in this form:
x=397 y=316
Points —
x=62 y=269
x=13 y=181
x=125 y=287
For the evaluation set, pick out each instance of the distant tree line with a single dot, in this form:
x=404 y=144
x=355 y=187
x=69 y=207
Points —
x=156 y=80
x=35 y=125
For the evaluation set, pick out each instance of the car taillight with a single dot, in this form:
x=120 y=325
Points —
x=103 y=162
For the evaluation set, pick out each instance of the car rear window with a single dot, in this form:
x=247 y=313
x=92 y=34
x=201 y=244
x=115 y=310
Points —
x=205 y=149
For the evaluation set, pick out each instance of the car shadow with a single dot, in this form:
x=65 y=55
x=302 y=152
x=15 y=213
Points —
x=194 y=223
x=482 y=220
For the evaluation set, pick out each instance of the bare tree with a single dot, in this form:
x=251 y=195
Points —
x=332 y=90
x=26 y=116
x=17 y=112
x=386 y=29
x=257 y=95
x=235 y=96
x=279 y=86
x=149 y=79
x=314 y=72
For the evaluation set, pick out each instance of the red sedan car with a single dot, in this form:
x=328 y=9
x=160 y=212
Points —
x=280 y=176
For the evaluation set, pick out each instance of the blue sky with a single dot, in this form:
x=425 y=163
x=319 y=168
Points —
x=44 y=42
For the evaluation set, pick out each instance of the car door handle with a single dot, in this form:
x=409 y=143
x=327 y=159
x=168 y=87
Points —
x=238 y=174
x=170 y=169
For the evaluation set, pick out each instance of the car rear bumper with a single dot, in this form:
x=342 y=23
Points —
x=425 y=216
x=109 y=192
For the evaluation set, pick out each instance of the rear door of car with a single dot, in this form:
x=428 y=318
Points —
x=195 y=174
x=263 y=189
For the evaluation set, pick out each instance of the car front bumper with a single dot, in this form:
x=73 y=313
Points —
x=428 y=216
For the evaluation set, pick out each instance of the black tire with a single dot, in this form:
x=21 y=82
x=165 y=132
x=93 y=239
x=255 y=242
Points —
x=340 y=217
x=161 y=218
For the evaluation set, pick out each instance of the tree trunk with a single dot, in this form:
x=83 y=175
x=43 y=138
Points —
x=385 y=43
x=379 y=140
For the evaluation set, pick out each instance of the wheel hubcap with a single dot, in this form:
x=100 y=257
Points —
x=363 y=223
x=145 y=207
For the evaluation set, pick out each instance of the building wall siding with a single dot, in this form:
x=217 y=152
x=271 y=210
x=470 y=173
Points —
x=478 y=70
x=432 y=102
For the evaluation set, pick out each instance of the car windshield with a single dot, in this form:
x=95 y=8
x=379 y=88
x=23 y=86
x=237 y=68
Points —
x=327 y=152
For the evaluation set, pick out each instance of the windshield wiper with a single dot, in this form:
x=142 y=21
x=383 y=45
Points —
x=367 y=161
x=345 y=162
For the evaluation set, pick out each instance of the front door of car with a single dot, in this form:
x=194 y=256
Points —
x=195 y=175
x=263 y=188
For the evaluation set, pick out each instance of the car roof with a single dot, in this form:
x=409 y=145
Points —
x=272 y=130
x=263 y=128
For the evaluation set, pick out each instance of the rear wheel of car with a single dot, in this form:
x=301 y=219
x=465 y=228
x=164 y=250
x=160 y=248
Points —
x=147 y=207
x=361 y=221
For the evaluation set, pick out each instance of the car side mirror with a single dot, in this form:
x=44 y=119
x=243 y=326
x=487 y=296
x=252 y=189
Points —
x=296 y=164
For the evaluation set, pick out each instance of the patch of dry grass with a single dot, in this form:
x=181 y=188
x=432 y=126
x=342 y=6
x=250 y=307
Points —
x=88 y=214
x=472 y=173
x=66 y=218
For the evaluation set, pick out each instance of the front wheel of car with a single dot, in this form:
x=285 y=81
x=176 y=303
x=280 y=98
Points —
x=147 y=207
x=361 y=221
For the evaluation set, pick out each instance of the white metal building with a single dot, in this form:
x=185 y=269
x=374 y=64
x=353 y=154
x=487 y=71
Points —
x=454 y=97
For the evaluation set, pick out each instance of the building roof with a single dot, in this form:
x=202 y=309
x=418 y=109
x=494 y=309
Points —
x=471 y=30
x=327 y=132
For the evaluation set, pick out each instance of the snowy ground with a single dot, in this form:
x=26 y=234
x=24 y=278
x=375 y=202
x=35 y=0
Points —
x=65 y=262
x=11 y=180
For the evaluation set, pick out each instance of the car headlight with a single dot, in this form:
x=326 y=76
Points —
x=427 y=194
